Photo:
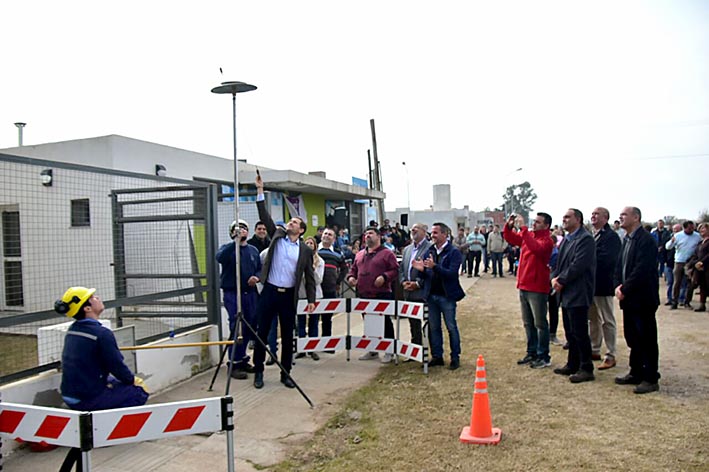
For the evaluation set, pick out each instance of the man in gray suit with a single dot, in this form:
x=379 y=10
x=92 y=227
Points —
x=410 y=278
x=574 y=281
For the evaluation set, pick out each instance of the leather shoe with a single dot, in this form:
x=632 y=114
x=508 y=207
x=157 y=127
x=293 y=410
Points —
x=628 y=380
x=455 y=363
x=608 y=363
x=595 y=357
x=258 y=380
x=668 y=303
x=581 y=376
x=300 y=355
x=436 y=361
x=314 y=356
x=239 y=374
x=566 y=370
x=646 y=387
x=285 y=380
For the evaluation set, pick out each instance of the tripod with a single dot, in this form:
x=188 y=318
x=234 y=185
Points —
x=239 y=324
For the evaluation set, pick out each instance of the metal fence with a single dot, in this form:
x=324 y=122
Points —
x=146 y=243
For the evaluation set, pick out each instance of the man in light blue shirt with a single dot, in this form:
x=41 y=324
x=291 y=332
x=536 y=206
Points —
x=476 y=246
x=684 y=244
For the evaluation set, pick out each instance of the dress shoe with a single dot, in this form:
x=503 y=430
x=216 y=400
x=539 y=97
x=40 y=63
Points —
x=646 y=387
x=668 y=303
x=673 y=306
x=270 y=360
x=314 y=356
x=455 y=363
x=285 y=380
x=688 y=305
x=701 y=308
x=608 y=362
x=300 y=355
x=436 y=361
x=528 y=359
x=258 y=380
x=581 y=376
x=238 y=374
x=595 y=357
x=628 y=380
x=245 y=366
x=566 y=370
x=565 y=347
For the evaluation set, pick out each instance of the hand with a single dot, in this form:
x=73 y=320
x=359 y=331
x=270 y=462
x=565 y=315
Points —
x=138 y=382
x=259 y=183
x=519 y=221
x=310 y=308
x=253 y=280
x=410 y=286
x=429 y=263
x=379 y=281
x=619 y=293
x=417 y=264
x=352 y=281
x=556 y=285
x=699 y=265
x=511 y=221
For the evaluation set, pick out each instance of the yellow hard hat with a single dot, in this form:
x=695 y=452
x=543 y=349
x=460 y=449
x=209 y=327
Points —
x=72 y=300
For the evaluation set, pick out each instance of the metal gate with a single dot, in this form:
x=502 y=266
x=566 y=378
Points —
x=164 y=245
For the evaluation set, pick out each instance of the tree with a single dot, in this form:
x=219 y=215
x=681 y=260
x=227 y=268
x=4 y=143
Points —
x=519 y=199
x=703 y=216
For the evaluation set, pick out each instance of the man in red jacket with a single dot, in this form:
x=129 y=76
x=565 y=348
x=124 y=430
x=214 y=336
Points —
x=533 y=283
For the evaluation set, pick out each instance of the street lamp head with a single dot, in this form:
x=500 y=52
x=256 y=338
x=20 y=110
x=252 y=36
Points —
x=234 y=88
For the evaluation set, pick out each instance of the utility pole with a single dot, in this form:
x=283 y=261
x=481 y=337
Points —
x=377 y=174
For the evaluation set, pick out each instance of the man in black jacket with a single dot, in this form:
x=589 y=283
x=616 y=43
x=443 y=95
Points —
x=574 y=281
x=288 y=261
x=602 y=320
x=637 y=290
x=334 y=274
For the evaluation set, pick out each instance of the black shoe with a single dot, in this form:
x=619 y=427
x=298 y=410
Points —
x=477 y=275
x=565 y=347
x=701 y=309
x=540 y=364
x=646 y=387
x=300 y=355
x=245 y=366
x=258 y=380
x=566 y=370
x=528 y=359
x=436 y=361
x=455 y=363
x=502 y=276
x=285 y=380
x=270 y=360
x=628 y=380
x=239 y=374
x=329 y=352
x=674 y=306
x=581 y=376
x=687 y=305
x=668 y=303
x=314 y=356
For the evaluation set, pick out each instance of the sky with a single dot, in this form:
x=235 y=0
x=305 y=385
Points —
x=601 y=103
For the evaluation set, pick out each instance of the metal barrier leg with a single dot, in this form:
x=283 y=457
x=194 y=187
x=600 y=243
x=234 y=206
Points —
x=424 y=329
x=85 y=461
x=230 y=451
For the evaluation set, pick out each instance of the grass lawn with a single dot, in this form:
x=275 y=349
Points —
x=407 y=421
x=17 y=352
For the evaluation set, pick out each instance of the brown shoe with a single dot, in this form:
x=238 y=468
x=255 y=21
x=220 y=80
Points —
x=608 y=363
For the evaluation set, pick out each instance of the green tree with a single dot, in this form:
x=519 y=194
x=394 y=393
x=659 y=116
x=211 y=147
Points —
x=519 y=199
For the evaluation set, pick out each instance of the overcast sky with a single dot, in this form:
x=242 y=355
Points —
x=600 y=103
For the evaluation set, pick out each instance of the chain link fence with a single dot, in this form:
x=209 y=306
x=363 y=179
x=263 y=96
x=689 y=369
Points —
x=146 y=243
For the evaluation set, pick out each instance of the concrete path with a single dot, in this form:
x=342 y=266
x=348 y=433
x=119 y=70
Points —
x=267 y=420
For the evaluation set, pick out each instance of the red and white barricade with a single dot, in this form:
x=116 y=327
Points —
x=89 y=430
x=324 y=343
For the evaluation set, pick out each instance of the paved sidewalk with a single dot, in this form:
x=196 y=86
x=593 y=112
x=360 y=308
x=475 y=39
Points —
x=267 y=420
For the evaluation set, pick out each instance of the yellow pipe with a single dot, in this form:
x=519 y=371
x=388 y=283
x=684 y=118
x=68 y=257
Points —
x=169 y=346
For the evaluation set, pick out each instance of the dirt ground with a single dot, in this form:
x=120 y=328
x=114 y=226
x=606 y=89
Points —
x=405 y=420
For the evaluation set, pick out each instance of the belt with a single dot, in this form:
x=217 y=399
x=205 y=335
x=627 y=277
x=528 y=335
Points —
x=279 y=289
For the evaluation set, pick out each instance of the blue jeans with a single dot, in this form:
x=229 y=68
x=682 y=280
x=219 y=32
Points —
x=670 y=279
x=437 y=305
x=534 y=317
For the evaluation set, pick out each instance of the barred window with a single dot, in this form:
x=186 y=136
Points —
x=80 y=213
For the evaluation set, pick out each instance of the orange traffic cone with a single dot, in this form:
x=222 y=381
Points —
x=480 y=430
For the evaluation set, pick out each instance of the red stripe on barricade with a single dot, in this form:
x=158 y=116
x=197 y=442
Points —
x=332 y=343
x=9 y=420
x=332 y=306
x=129 y=426
x=415 y=311
x=361 y=306
x=404 y=348
x=381 y=307
x=52 y=427
x=415 y=352
x=404 y=309
x=382 y=346
x=184 y=419
x=315 y=305
x=363 y=343
x=311 y=344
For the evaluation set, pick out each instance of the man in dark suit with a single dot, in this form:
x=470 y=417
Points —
x=637 y=289
x=410 y=278
x=288 y=262
x=574 y=281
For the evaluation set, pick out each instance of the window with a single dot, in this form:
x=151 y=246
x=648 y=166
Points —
x=80 y=213
x=11 y=288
